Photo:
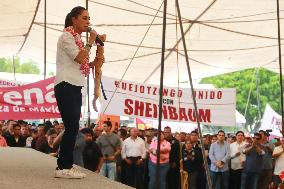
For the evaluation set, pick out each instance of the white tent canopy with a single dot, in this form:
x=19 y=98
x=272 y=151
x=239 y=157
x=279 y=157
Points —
x=228 y=36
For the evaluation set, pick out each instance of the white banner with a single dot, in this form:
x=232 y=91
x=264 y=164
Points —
x=215 y=106
x=271 y=120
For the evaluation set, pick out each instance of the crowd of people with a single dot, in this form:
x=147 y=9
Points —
x=129 y=155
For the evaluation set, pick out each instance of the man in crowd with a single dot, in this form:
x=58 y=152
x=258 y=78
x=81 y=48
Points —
x=267 y=166
x=47 y=144
x=92 y=154
x=97 y=132
x=134 y=154
x=25 y=130
x=16 y=140
x=237 y=160
x=253 y=164
x=214 y=139
x=278 y=155
x=173 y=173
x=219 y=155
x=182 y=138
x=34 y=135
x=41 y=138
x=110 y=146
x=8 y=129
x=198 y=173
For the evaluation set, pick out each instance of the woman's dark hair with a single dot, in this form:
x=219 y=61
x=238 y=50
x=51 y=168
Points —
x=75 y=12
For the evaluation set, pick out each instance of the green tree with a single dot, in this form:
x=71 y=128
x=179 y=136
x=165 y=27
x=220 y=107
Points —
x=264 y=86
x=27 y=67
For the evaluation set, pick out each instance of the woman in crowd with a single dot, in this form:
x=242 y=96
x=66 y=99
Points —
x=165 y=148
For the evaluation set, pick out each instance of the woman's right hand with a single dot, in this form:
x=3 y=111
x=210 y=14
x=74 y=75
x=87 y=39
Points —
x=93 y=36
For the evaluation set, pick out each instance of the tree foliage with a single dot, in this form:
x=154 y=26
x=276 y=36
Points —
x=264 y=86
x=26 y=67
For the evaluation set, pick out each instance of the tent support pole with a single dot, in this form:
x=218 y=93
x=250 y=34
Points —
x=194 y=98
x=14 y=67
x=88 y=81
x=44 y=69
x=280 y=66
x=161 y=93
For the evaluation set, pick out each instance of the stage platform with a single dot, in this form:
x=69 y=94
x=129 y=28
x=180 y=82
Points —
x=24 y=168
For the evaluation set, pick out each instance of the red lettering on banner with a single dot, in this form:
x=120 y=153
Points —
x=182 y=115
x=128 y=110
x=123 y=86
x=155 y=109
x=179 y=93
x=116 y=83
x=173 y=113
x=219 y=94
x=204 y=115
x=150 y=110
x=165 y=112
x=165 y=92
x=155 y=91
x=149 y=89
x=191 y=115
x=139 y=108
x=142 y=89
x=130 y=87
x=172 y=93
x=208 y=95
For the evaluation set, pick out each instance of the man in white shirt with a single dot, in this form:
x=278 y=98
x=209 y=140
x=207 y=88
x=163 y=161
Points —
x=278 y=155
x=237 y=160
x=134 y=153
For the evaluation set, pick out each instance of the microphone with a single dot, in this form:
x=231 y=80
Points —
x=98 y=40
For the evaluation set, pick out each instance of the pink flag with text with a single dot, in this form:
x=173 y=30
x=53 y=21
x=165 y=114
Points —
x=31 y=101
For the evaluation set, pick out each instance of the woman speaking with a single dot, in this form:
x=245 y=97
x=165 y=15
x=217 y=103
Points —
x=72 y=66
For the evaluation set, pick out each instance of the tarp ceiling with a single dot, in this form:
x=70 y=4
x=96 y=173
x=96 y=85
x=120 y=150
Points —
x=227 y=36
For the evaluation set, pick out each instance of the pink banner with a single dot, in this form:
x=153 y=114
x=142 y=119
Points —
x=31 y=101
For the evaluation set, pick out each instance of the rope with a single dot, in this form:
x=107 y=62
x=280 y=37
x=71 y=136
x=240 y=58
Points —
x=27 y=34
x=207 y=172
x=128 y=10
x=187 y=30
x=133 y=56
x=177 y=57
x=195 y=50
x=251 y=85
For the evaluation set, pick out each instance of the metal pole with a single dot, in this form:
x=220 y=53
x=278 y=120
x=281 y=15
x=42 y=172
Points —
x=88 y=80
x=280 y=65
x=14 y=67
x=44 y=72
x=194 y=99
x=161 y=94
